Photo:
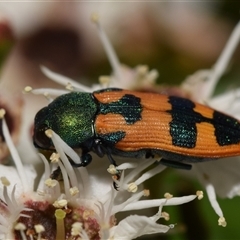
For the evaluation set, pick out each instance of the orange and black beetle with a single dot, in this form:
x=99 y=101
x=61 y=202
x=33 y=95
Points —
x=136 y=124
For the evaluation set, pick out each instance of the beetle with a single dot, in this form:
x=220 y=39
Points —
x=136 y=124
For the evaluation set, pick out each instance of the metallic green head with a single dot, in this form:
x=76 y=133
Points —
x=71 y=116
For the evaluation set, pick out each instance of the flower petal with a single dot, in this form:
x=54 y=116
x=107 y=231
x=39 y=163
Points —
x=135 y=226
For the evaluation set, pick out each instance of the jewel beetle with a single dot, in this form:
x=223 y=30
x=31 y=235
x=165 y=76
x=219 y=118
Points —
x=136 y=124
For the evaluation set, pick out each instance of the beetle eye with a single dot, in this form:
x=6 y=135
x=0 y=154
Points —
x=40 y=140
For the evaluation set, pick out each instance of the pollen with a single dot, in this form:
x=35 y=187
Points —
x=76 y=229
x=165 y=215
x=46 y=94
x=142 y=70
x=49 y=133
x=51 y=182
x=87 y=214
x=168 y=195
x=112 y=169
x=60 y=203
x=146 y=192
x=73 y=191
x=20 y=227
x=132 y=187
x=28 y=89
x=69 y=86
x=222 y=222
x=199 y=195
x=2 y=113
x=39 y=228
x=104 y=80
x=55 y=157
x=95 y=18
x=5 y=181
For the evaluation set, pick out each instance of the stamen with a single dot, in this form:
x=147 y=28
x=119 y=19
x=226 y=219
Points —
x=85 y=187
x=25 y=215
x=28 y=89
x=49 y=133
x=2 y=113
x=223 y=61
x=159 y=168
x=5 y=181
x=112 y=56
x=213 y=201
x=87 y=213
x=152 y=76
x=76 y=229
x=104 y=81
x=127 y=165
x=13 y=199
x=200 y=195
x=165 y=215
x=15 y=156
x=222 y=222
x=143 y=204
x=112 y=169
x=46 y=166
x=55 y=157
x=132 y=187
x=168 y=195
x=47 y=92
x=21 y=227
x=60 y=203
x=146 y=192
x=51 y=183
x=142 y=70
x=67 y=171
x=73 y=191
x=39 y=228
x=133 y=199
x=69 y=87
x=63 y=80
x=65 y=148
x=6 y=195
x=137 y=170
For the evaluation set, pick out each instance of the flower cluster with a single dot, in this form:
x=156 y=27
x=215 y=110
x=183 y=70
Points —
x=69 y=209
x=77 y=203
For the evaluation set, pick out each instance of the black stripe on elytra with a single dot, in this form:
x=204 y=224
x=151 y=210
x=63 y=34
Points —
x=227 y=129
x=128 y=106
x=183 y=129
x=112 y=138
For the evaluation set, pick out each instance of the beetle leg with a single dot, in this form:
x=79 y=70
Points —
x=174 y=164
x=86 y=159
x=110 y=158
x=117 y=175
x=99 y=151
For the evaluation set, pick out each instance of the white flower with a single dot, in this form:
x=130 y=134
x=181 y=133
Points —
x=69 y=208
x=220 y=176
